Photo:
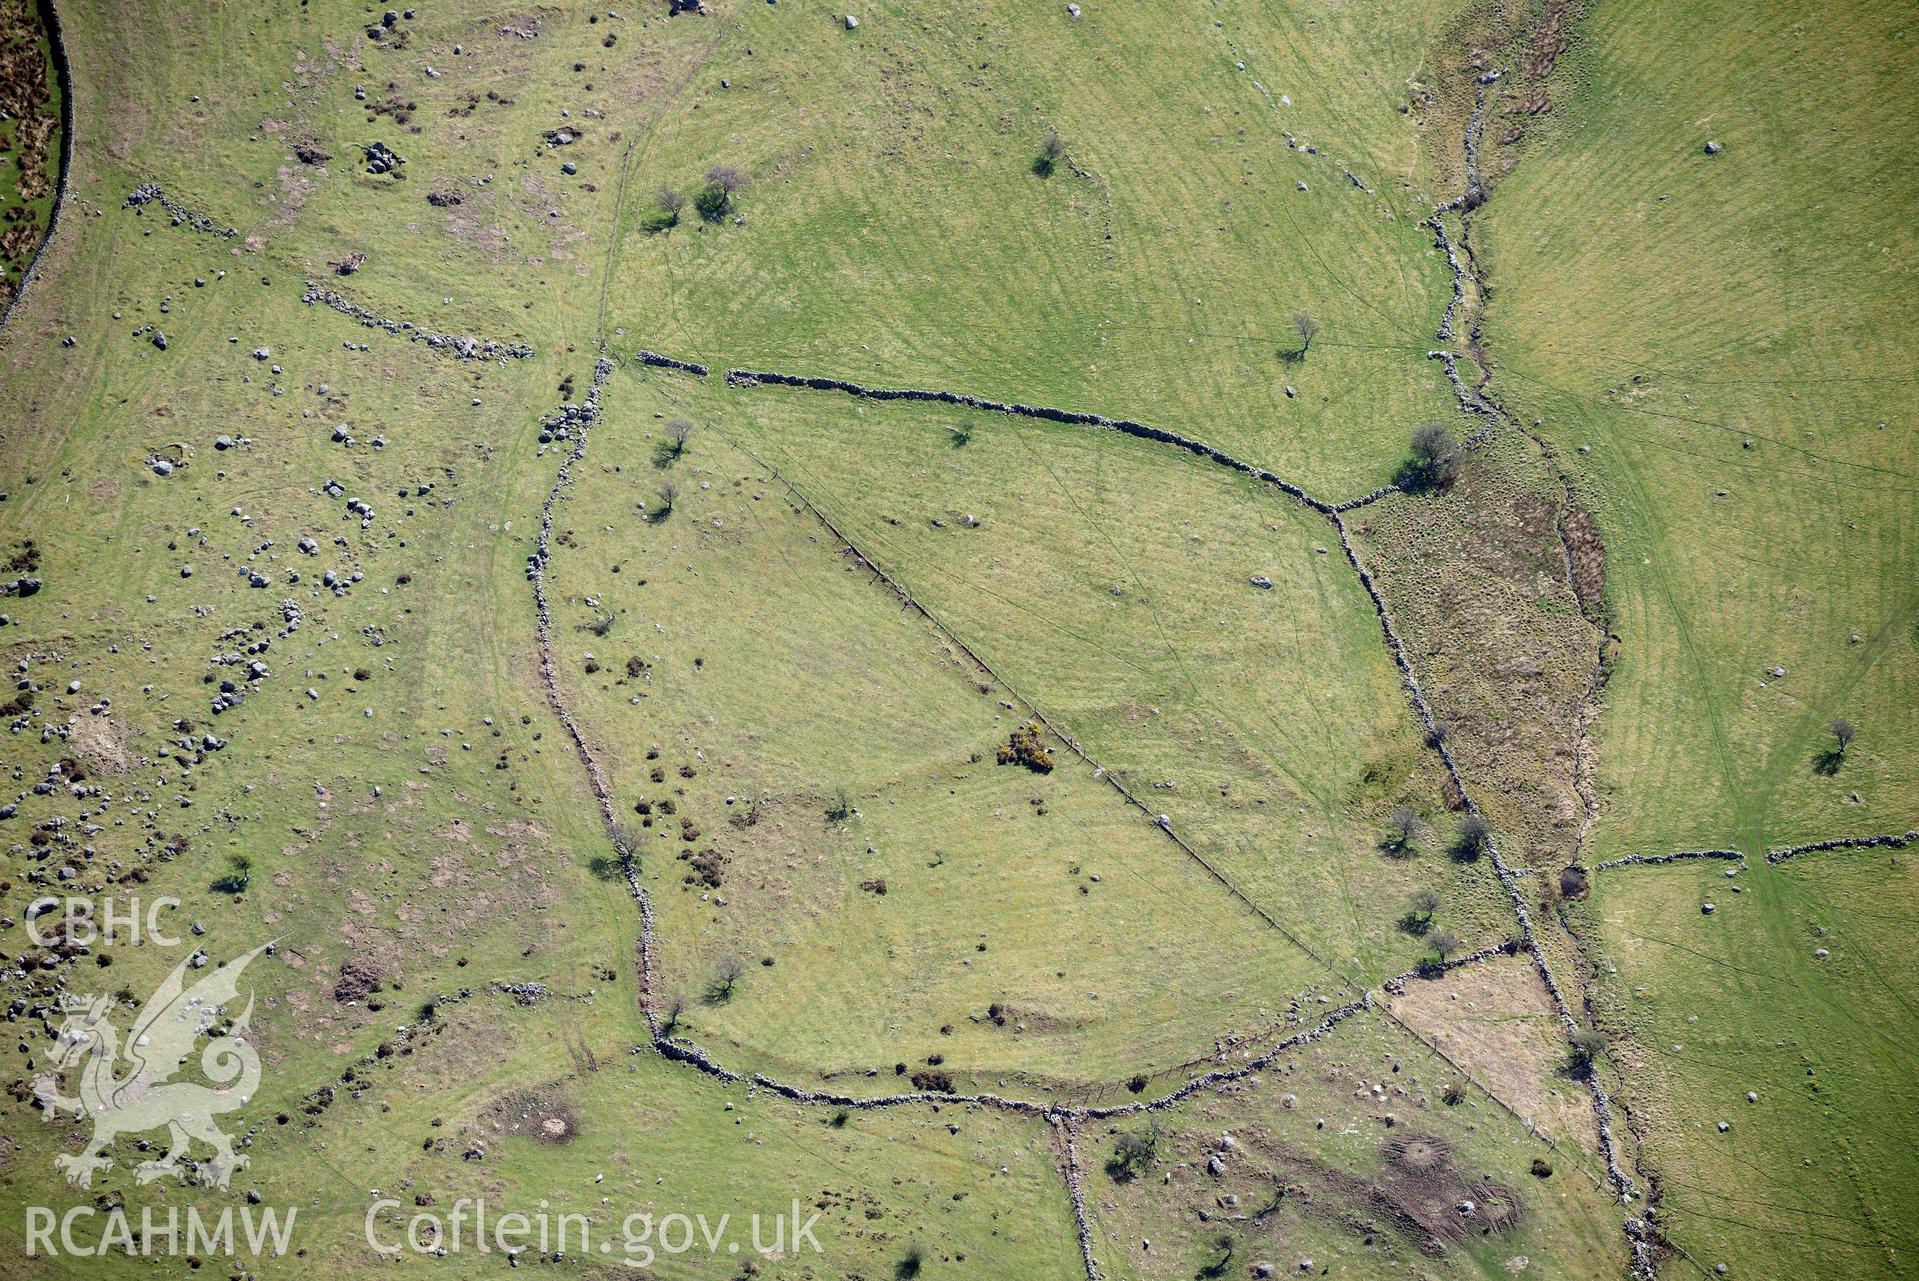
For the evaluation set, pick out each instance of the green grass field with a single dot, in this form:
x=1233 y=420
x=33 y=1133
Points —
x=816 y=653
x=1733 y=383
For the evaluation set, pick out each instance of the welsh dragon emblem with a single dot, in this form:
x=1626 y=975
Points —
x=172 y=1022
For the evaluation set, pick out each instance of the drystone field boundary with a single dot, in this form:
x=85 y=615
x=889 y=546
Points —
x=63 y=77
x=1637 y=1232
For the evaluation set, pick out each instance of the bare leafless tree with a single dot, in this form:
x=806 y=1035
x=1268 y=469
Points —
x=715 y=201
x=1051 y=152
x=1402 y=830
x=1474 y=834
x=726 y=977
x=673 y=443
x=1308 y=329
x=669 y=494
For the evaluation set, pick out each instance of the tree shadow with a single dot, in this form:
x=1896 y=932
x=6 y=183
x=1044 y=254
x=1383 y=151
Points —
x=1828 y=761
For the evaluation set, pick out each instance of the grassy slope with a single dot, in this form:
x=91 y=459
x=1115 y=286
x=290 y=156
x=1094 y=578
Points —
x=1812 y=1176
x=1735 y=358
x=777 y=671
x=1109 y=579
x=452 y=878
x=1336 y=1107
x=1753 y=304
x=896 y=233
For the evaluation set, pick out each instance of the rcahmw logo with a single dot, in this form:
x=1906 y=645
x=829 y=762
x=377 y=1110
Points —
x=164 y=1231
x=76 y=921
x=145 y=1096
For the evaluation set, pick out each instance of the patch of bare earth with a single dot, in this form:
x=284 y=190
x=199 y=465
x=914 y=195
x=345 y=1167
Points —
x=1497 y=1022
x=100 y=742
x=544 y=1114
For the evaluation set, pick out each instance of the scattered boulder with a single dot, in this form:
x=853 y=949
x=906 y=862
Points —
x=381 y=158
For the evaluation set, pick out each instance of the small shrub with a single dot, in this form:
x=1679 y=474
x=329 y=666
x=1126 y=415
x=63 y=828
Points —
x=239 y=872
x=1433 y=460
x=1586 y=1047
x=1051 y=152
x=1027 y=748
x=1132 y=1153
x=1573 y=882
